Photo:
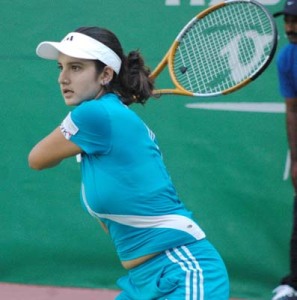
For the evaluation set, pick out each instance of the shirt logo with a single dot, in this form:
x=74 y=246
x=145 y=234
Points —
x=68 y=128
x=69 y=38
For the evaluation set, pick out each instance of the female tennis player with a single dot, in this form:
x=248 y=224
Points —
x=125 y=184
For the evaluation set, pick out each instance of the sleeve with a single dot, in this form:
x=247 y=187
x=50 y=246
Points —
x=88 y=126
x=284 y=67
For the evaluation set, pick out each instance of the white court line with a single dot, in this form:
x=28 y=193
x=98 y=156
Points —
x=287 y=166
x=260 y=107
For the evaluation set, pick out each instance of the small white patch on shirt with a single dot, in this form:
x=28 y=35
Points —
x=68 y=128
x=78 y=157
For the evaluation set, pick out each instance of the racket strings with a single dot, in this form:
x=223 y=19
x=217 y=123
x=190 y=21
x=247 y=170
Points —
x=223 y=49
x=263 y=24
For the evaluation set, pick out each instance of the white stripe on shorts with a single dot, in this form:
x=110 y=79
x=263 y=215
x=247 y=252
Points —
x=190 y=266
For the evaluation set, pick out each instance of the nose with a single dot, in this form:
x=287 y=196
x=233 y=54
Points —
x=289 y=26
x=63 y=78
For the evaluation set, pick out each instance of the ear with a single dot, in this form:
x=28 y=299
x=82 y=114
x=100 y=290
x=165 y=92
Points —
x=106 y=76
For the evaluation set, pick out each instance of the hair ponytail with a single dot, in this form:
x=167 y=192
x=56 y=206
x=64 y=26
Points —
x=136 y=85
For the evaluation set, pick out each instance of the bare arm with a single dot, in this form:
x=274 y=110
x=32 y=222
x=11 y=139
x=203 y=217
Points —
x=51 y=150
x=291 y=120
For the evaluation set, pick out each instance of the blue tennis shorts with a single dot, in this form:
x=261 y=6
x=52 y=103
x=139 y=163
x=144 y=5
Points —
x=190 y=272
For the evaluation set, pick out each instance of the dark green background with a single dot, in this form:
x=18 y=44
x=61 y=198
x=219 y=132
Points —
x=227 y=166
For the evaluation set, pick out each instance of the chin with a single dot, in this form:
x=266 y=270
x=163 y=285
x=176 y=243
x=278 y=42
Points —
x=70 y=103
x=292 y=40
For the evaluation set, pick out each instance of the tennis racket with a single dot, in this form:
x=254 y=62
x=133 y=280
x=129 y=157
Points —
x=220 y=50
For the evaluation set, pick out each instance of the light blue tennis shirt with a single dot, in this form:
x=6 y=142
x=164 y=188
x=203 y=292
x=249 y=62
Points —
x=287 y=71
x=124 y=180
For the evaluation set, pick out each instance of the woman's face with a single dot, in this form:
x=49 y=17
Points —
x=78 y=79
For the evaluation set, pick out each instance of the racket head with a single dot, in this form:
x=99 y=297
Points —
x=222 y=49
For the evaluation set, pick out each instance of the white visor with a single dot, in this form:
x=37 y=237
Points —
x=79 y=45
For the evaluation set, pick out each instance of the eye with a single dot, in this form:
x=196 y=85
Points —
x=60 y=67
x=76 y=68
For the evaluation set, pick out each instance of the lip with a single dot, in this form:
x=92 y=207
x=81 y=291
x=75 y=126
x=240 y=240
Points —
x=67 y=92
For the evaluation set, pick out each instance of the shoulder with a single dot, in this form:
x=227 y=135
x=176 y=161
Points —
x=97 y=108
x=287 y=57
x=287 y=52
x=282 y=53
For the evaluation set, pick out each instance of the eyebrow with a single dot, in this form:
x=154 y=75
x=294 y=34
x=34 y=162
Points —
x=72 y=63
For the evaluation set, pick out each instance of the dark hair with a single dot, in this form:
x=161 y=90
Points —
x=133 y=83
